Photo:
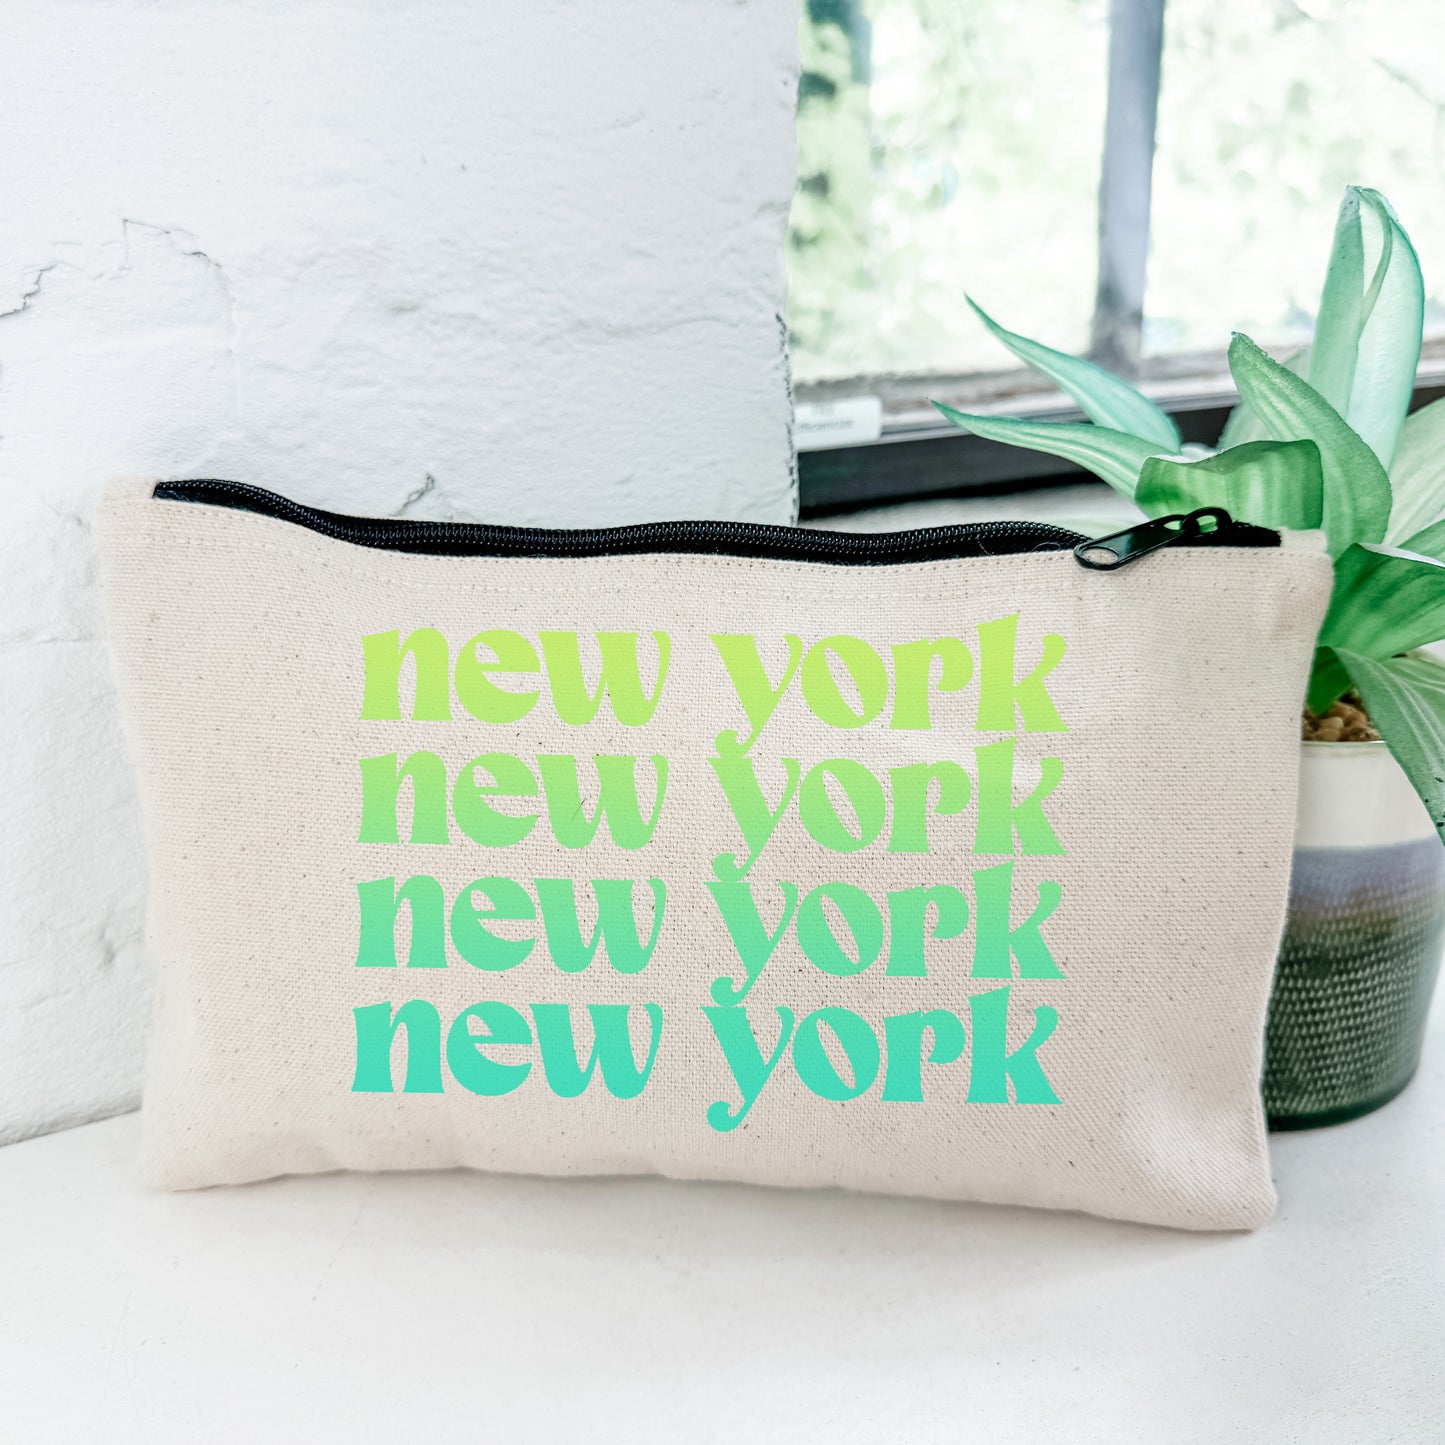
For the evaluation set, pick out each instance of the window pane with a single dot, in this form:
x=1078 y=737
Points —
x=1266 y=111
x=944 y=146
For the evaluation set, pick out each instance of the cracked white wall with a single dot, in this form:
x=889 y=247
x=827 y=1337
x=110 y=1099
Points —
x=512 y=262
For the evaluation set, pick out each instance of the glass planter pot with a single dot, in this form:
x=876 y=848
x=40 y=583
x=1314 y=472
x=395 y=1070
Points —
x=1362 y=940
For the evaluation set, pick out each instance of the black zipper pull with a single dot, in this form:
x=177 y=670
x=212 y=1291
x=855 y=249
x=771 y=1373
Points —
x=1104 y=554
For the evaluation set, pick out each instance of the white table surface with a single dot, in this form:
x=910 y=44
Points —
x=464 y=1308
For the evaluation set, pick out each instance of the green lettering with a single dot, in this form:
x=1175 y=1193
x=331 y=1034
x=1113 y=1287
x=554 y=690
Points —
x=999 y=818
x=381 y=782
x=865 y=670
x=859 y=1046
x=616 y=923
x=861 y=917
x=511 y=652
x=995 y=942
x=509 y=903
x=501 y=1025
x=620 y=677
x=739 y=653
x=383 y=654
x=751 y=940
x=381 y=904
x=913 y=671
x=611 y=1048
x=908 y=925
x=903 y=1037
x=911 y=787
x=616 y=799
x=820 y=816
x=992 y=1066
x=509 y=777
x=999 y=696
x=376 y=1032
x=755 y=819
x=750 y=1070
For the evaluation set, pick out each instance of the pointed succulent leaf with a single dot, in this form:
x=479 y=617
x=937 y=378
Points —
x=1337 y=327
x=1273 y=484
x=1417 y=475
x=1405 y=698
x=1242 y=425
x=1372 y=312
x=1427 y=542
x=1385 y=601
x=1101 y=396
x=1357 y=491
x=1113 y=455
x=1328 y=681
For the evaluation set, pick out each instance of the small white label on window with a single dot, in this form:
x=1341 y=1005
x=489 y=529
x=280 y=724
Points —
x=842 y=423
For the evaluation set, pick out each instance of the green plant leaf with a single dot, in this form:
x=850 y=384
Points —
x=1242 y=425
x=1405 y=698
x=1417 y=475
x=1113 y=455
x=1101 y=396
x=1337 y=327
x=1328 y=681
x=1385 y=601
x=1372 y=312
x=1428 y=542
x=1274 y=484
x=1357 y=491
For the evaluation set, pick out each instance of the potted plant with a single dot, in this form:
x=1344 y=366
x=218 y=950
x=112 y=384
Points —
x=1324 y=440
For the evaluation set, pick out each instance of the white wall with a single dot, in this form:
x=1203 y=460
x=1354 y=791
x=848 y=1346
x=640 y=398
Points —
x=518 y=260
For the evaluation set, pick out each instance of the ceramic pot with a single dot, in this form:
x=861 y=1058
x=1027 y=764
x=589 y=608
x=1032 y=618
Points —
x=1362 y=940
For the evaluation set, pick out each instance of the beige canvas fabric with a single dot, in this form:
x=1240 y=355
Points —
x=1126 y=1085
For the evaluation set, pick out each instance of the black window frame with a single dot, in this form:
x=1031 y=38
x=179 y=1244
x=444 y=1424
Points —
x=931 y=462
x=919 y=455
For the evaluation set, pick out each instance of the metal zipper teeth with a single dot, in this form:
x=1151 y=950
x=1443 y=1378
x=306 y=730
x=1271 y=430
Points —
x=728 y=539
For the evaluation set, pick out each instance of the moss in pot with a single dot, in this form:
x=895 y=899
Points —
x=1323 y=440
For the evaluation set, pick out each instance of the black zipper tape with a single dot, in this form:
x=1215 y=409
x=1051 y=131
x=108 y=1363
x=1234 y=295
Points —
x=724 y=539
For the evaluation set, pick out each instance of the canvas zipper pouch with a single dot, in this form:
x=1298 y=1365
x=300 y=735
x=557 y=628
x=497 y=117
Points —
x=945 y=863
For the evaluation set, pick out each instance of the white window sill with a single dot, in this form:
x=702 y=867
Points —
x=468 y=1307
x=1067 y=506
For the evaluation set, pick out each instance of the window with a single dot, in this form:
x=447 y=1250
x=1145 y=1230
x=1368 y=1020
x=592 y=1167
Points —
x=1131 y=179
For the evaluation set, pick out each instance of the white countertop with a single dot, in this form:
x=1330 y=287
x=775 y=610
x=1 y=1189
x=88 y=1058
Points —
x=461 y=1307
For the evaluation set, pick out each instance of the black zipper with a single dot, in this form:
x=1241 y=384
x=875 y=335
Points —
x=728 y=539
